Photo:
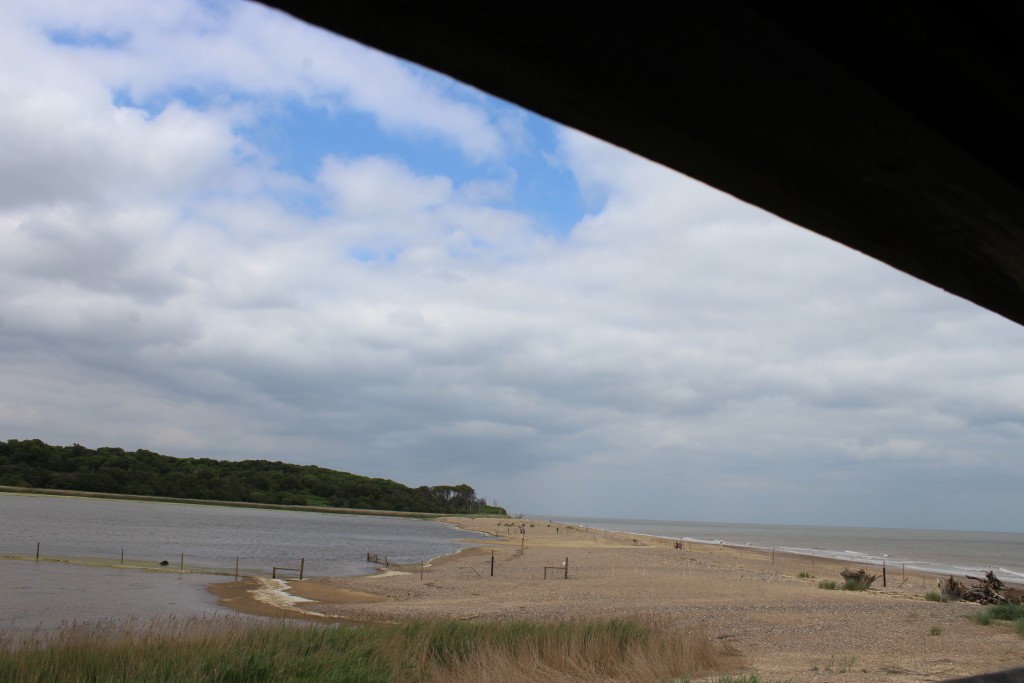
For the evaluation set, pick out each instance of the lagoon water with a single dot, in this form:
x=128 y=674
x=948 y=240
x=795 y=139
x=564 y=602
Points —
x=44 y=595
x=211 y=537
x=94 y=532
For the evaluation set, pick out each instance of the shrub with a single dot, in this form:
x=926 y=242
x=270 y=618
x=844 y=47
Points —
x=935 y=631
x=855 y=585
x=804 y=575
x=935 y=596
x=827 y=585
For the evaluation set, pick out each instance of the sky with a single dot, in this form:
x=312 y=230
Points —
x=227 y=234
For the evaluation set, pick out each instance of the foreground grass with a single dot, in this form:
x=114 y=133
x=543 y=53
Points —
x=219 y=649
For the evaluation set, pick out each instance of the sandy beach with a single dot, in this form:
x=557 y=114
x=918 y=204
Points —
x=756 y=605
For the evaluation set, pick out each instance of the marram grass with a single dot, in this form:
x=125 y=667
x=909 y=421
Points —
x=1005 y=612
x=239 y=651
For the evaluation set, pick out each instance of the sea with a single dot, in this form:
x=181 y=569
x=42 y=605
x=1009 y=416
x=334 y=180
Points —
x=935 y=551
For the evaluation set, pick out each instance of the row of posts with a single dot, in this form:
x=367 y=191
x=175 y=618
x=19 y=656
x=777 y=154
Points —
x=302 y=565
x=181 y=562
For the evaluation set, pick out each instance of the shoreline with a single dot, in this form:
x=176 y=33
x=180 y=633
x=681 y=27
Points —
x=1013 y=577
x=783 y=625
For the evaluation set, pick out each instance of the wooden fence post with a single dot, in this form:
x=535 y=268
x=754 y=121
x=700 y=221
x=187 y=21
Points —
x=236 y=568
x=122 y=557
x=37 y=551
x=181 y=567
x=492 y=563
x=567 y=567
x=302 y=568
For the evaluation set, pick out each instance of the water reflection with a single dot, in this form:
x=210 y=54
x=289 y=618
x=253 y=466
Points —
x=45 y=594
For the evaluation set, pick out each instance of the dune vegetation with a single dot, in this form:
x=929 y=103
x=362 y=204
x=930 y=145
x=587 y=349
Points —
x=231 y=649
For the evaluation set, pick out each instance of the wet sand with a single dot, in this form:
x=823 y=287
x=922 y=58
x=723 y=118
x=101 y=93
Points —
x=783 y=625
x=303 y=600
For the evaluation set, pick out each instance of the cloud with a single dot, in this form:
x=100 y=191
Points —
x=380 y=187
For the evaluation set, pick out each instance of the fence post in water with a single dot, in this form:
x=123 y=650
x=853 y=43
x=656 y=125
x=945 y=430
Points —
x=122 y=557
x=421 y=570
x=883 y=574
x=236 y=568
x=37 y=550
x=181 y=567
x=302 y=567
x=492 y=563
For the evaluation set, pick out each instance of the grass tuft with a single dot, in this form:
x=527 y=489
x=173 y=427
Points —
x=935 y=631
x=837 y=664
x=1005 y=612
x=827 y=584
x=804 y=575
x=935 y=596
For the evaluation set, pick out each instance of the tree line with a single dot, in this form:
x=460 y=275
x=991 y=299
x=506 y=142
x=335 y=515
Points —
x=34 y=464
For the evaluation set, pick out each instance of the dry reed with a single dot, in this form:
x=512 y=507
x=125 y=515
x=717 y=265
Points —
x=232 y=649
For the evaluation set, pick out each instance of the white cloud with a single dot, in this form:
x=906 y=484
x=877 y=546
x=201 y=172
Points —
x=381 y=188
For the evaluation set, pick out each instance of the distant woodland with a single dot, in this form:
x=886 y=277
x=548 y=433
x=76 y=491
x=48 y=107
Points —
x=35 y=464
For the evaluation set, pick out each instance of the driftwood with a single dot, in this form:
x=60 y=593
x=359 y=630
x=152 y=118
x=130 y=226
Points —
x=379 y=559
x=988 y=591
x=860 y=576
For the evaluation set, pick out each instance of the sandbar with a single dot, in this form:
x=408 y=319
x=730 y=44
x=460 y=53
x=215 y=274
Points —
x=779 y=623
